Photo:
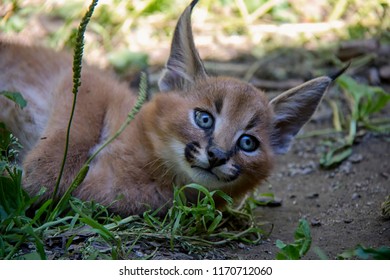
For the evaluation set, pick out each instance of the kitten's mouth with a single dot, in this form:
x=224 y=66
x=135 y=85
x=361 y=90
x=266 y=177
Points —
x=208 y=170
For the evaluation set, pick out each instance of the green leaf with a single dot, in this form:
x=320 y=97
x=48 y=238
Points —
x=41 y=210
x=13 y=199
x=37 y=240
x=5 y=137
x=303 y=234
x=215 y=224
x=335 y=156
x=225 y=197
x=382 y=253
x=300 y=246
x=97 y=227
x=366 y=99
x=290 y=252
x=280 y=244
x=61 y=205
x=125 y=59
x=15 y=97
x=3 y=164
x=30 y=256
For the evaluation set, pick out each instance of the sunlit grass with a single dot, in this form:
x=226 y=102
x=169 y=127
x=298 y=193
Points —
x=128 y=28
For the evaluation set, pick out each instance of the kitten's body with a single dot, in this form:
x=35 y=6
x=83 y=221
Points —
x=215 y=131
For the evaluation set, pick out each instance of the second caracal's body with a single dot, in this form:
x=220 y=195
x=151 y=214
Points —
x=219 y=132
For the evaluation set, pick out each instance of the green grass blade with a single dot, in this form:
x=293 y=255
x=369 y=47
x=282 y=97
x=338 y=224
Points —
x=15 y=97
x=77 y=66
x=96 y=226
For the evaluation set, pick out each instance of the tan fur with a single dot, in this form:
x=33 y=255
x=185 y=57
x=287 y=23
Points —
x=163 y=146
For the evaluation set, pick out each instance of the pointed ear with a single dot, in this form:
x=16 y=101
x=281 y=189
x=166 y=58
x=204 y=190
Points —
x=292 y=109
x=184 y=65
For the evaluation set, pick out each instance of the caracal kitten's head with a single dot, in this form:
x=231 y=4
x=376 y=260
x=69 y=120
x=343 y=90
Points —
x=221 y=132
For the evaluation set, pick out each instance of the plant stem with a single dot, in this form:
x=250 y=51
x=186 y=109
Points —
x=140 y=101
x=77 y=66
x=85 y=168
x=352 y=132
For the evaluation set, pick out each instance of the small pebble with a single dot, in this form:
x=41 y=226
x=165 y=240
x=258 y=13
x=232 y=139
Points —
x=315 y=222
x=373 y=76
x=384 y=72
x=139 y=254
x=348 y=221
x=313 y=195
x=385 y=175
x=269 y=201
x=356 y=196
x=346 y=167
x=356 y=158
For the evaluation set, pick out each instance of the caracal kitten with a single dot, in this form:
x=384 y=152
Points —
x=218 y=132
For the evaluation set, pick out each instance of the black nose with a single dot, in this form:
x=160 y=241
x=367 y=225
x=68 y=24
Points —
x=216 y=156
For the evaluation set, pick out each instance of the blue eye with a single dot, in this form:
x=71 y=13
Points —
x=248 y=143
x=203 y=119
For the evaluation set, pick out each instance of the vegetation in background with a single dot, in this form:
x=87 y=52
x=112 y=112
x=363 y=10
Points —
x=385 y=208
x=363 y=102
x=303 y=241
x=123 y=32
x=360 y=252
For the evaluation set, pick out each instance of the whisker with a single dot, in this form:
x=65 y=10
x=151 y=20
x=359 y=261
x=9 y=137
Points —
x=151 y=163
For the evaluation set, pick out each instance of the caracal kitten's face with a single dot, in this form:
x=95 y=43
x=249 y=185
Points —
x=217 y=134
x=220 y=132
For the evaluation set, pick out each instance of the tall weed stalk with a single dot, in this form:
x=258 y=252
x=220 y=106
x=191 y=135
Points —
x=77 y=67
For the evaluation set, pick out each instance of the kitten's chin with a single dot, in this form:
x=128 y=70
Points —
x=206 y=178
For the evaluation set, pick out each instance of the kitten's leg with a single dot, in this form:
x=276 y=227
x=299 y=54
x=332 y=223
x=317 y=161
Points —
x=42 y=164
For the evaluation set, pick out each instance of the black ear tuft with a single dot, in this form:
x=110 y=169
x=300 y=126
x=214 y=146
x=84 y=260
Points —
x=184 y=65
x=193 y=3
x=338 y=73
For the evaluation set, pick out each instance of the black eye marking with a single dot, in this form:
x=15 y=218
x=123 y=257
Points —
x=248 y=143
x=218 y=105
x=203 y=119
x=255 y=120
x=190 y=150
